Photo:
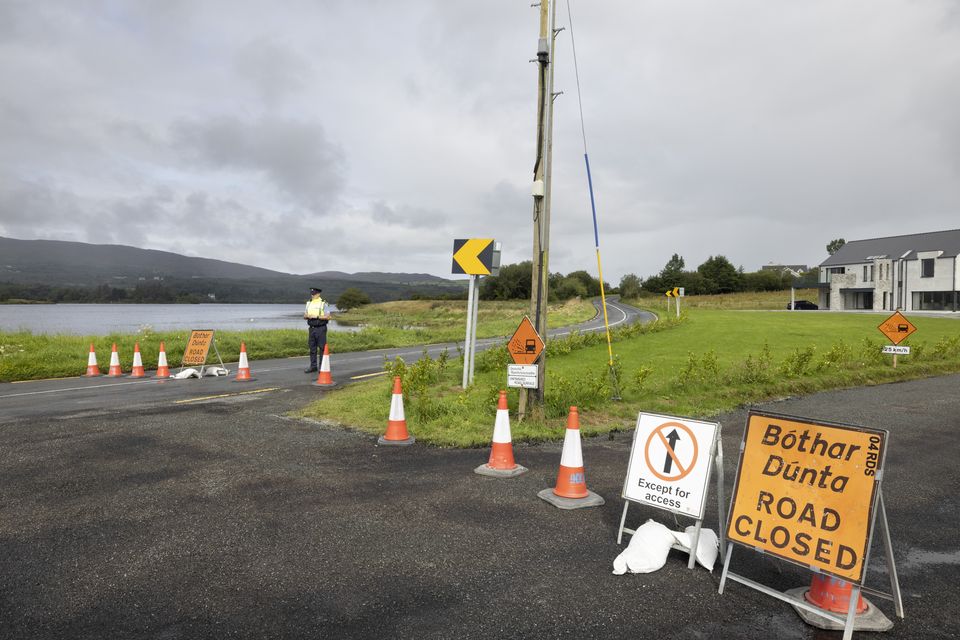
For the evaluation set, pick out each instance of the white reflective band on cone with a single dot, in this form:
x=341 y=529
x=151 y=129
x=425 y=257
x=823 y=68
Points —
x=396 y=407
x=243 y=360
x=572 y=456
x=501 y=428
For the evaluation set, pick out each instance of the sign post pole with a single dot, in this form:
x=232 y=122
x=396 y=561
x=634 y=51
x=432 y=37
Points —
x=466 y=340
x=473 y=333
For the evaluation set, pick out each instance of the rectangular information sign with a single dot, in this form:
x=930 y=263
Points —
x=197 y=347
x=806 y=492
x=523 y=376
x=896 y=350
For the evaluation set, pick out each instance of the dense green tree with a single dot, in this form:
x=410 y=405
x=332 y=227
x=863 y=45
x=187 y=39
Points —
x=630 y=286
x=351 y=298
x=513 y=283
x=719 y=271
x=834 y=245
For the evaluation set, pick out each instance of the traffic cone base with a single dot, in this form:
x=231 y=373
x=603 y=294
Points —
x=872 y=619
x=396 y=434
x=487 y=470
x=324 y=379
x=589 y=500
x=571 y=491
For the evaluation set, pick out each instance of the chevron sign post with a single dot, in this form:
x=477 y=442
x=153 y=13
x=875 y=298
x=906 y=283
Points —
x=676 y=292
x=474 y=257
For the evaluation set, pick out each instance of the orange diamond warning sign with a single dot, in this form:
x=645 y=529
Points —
x=526 y=345
x=897 y=328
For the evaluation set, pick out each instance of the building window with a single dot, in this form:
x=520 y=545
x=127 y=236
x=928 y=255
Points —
x=926 y=268
x=872 y=273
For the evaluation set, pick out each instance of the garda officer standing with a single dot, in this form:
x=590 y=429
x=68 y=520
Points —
x=317 y=317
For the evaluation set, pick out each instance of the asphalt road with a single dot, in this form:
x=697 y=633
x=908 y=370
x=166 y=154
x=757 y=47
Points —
x=222 y=518
x=80 y=396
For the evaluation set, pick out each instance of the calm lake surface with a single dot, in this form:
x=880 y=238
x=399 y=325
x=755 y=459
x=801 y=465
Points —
x=102 y=319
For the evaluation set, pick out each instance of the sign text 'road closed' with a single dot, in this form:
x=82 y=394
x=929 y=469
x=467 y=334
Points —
x=806 y=491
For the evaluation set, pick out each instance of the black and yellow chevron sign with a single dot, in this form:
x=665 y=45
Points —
x=673 y=293
x=473 y=256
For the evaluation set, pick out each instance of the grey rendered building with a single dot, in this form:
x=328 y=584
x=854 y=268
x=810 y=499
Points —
x=918 y=272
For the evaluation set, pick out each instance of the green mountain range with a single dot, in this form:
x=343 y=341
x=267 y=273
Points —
x=55 y=270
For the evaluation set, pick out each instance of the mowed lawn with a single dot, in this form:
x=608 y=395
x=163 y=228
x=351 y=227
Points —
x=712 y=361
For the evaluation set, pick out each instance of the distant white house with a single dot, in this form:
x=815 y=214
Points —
x=918 y=272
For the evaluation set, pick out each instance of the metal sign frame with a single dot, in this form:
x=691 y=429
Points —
x=716 y=453
x=877 y=507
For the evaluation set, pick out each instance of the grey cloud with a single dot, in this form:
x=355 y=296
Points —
x=295 y=155
x=274 y=70
x=408 y=217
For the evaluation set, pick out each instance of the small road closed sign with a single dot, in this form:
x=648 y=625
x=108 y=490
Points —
x=806 y=492
x=670 y=463
x=198 y=346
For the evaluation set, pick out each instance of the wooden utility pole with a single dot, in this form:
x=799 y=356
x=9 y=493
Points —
x=531 y=400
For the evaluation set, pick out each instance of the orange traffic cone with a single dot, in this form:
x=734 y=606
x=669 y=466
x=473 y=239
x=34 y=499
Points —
x=501 y=463
x=137 y=370
x=833 y=595
x=397 y=424
x=243 y=367
x=92 y=368
x=324 y=379
x=571 y=490
x=114 y=371
x=163 y=371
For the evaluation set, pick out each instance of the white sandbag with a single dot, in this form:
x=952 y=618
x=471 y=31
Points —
x=647 y=551
x=707 y=546
x=186 y=373
x=215 y=371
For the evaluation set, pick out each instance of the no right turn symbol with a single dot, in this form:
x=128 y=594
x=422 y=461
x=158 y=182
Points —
x=671 y=451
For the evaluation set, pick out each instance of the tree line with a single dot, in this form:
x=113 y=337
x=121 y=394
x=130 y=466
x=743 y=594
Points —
x=715 y=275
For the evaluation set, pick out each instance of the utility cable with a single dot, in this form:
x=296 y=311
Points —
x=614 y=377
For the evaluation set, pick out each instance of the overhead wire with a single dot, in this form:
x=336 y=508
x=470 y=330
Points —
x=593 y=208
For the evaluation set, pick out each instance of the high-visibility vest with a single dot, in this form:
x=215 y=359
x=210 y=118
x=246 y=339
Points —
x=316 y=308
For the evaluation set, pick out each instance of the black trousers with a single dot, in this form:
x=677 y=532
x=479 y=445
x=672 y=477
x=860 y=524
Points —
x=317 y=341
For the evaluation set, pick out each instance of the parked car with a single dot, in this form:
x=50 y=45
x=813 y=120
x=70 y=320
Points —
x=801 y=305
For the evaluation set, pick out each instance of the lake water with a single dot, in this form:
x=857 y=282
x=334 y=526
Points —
x=102 y=319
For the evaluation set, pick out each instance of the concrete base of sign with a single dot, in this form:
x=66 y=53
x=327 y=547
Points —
x=396 y=443
x=487 y=470
x=592 y=500
x=870 y=620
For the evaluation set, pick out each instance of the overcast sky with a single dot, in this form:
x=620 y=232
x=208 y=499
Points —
x=362 y=135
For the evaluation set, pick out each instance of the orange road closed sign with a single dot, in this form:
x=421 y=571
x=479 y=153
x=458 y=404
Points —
x=198 y=346
x=806 y=492
x=526 y=345
x=897 y=328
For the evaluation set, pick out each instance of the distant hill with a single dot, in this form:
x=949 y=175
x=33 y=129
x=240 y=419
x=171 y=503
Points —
x=39 y=266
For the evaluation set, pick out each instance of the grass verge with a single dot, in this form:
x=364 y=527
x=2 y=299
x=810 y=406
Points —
x=710 y=362
x=28 y=356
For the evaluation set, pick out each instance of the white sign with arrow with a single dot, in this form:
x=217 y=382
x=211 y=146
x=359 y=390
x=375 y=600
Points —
x=670 y=463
